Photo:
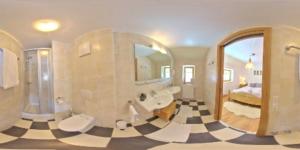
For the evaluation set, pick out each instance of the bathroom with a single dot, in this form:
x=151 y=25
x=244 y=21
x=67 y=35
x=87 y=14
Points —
x=89 y=83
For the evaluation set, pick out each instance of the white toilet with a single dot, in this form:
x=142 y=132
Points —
x=77 y=123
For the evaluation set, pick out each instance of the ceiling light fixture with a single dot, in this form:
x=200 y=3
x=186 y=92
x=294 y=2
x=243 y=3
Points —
x=46 y=25
x=250 y=64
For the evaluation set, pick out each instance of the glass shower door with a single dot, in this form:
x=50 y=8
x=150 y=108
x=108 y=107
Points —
x=39 y=82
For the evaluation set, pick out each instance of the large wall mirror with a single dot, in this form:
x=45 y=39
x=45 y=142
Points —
x=151 y=62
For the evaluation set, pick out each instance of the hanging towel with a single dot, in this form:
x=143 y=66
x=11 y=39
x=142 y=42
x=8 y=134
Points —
x=9 y=73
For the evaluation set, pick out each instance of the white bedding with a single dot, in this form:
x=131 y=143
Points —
x=251 y=90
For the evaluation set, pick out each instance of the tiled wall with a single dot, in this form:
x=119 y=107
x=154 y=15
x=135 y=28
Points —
x=285 y=83
x=62 y=71
x=102 y=82
x=93 y=78
x=127 y=89
x=11 y=100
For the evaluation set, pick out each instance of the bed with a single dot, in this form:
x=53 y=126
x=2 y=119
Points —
x=247 y=95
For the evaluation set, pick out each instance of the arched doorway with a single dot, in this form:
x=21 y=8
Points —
x=265 y=32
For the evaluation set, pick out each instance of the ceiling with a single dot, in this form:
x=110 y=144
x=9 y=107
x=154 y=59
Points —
x=172 y=22
x=243 y=48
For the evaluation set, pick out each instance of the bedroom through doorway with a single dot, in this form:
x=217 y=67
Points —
x=242 y=83
x=251 y=90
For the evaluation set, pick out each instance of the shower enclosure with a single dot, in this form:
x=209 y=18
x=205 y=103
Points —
x=38 y=82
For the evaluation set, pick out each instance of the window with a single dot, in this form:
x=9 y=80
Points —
x=228 y=75
x=165 y=72
x=188 y=73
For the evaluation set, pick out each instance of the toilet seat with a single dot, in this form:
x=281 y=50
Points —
x=77 y=123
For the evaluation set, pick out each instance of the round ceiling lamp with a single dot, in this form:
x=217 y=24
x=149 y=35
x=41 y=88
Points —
x=46 y=25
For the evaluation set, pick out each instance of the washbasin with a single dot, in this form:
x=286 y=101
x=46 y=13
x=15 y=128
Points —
x=161 y=99
x=170 y=90
x=174 y=89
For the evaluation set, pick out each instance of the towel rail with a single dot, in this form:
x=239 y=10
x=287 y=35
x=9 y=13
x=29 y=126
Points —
x=292 y=46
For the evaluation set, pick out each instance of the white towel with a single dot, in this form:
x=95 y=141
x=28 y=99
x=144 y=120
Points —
x=9 y=73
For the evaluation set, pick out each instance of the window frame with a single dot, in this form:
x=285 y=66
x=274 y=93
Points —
x=231 y=77
x=163 y=71
x=184 y=67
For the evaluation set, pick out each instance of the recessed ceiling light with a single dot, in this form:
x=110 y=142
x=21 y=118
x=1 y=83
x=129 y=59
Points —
x=46 y=25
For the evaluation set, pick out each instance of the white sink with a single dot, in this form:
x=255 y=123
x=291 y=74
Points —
x=160 y=100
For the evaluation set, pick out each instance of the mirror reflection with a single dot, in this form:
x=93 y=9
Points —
x=151 y=63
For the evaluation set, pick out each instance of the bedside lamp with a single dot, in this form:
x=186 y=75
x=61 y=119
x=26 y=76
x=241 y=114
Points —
x=242 y=82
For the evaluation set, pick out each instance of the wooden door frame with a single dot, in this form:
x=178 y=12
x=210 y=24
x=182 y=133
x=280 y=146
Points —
x=266 y=33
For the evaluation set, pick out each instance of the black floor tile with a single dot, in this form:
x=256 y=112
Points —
x=152 y=118
x=213 y=126
x=42 y=144
x=195 y=107
x=40 y=125
x=204 y=112
x=146 y=128
x=200 y=103
x=101 y=131
x=63 y=134
x=185 y=103
x=172 y=117
x=27 y=119
x=194 y=120
x=254 y=140
x=201 y=138
x=15 y=131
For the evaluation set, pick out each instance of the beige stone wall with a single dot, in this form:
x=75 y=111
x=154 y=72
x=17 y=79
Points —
x=104 y=81
x=238 y=70
x=190 y=56
x=12 y=99
x=62 y=71
x=93 y=78
x=285 y=83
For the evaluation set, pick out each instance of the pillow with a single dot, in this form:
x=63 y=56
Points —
x=255 y=85
x=258 y=85
x=252 y=85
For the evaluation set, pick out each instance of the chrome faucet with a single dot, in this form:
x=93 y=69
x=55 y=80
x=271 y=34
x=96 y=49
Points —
x=152 y=93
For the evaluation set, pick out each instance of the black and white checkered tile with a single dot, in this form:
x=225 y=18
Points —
x=204 y=129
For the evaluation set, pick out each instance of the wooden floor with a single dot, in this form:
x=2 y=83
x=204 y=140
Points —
x=239 y=122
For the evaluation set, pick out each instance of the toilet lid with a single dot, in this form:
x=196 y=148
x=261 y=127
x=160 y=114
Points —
x=76 y=123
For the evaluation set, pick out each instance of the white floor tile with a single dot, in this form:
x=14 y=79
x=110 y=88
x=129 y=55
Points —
x=226 y=134
x=193 y=103
x=202 y=107
x=196 y=113
x=86 y=140
x=198 y=128
x=53 y=124
x=23 y=123
x=291 y=138
x=174 y=132
x=139 y=122
x=38 y=134
x=208 y=119
x=6 y=138
x=159 y=123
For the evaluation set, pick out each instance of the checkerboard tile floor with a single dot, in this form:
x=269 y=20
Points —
x=204 y=129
